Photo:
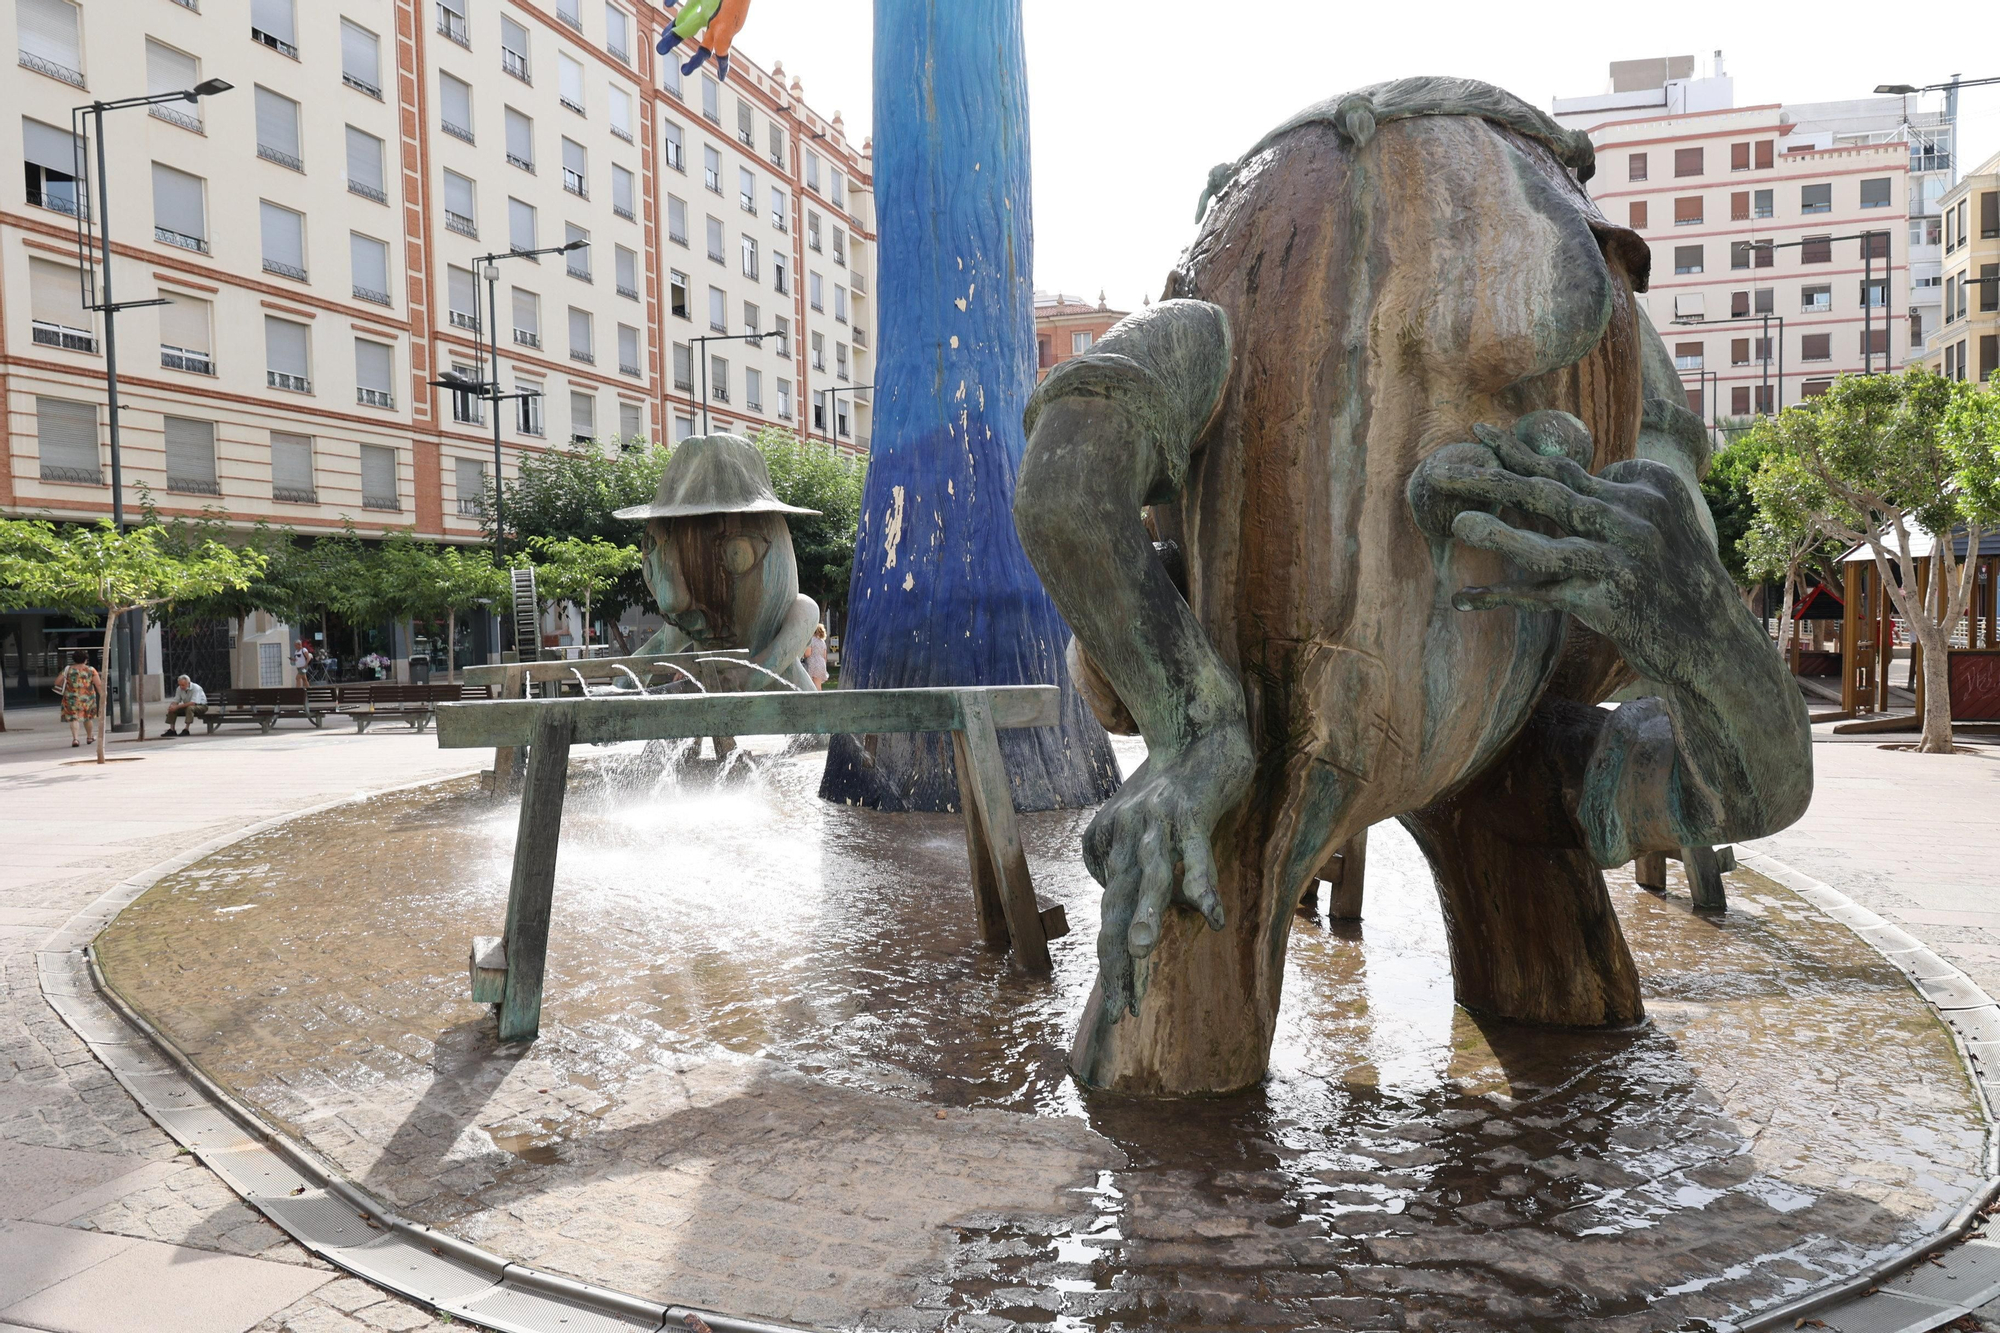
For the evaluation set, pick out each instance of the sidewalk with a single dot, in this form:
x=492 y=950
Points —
x=104 y=1226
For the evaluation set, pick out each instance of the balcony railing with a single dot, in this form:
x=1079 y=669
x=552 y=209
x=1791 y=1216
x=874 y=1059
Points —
x=629 y=293
x=367 y=192
x=468 y=506
x=583 y=354
x=194 y=485
x=455 y=131
x=76 y=476
x=579 y=271
x=461 y=224
x=527 y=338
x=281 y=157
x=623 y=210
x=360 y=85
x=279 y=379
x=573 y=182
x=374 y=397
x=622 y=133
x=278 y=44
x=573 y=106
x=626 y=368
x=718 y=393
x=390 y=502
x=49 y=67
x=186 y=358
x=284 y=270
x=569 y=15
x=168 y=236
x=61 y=335
x=453 y=27
x=526 y=164
x=370 y=294
x=513 y=62
x=461 y=320
x=55 y=201
x=860 y=335
x=295 y=495
x=619 y=53
x=173 y=115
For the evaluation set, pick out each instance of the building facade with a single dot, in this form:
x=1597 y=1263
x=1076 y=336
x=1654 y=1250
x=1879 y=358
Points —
x=1966 y=345
x=1789 y=244
x=1067 y=326
x=317 y=233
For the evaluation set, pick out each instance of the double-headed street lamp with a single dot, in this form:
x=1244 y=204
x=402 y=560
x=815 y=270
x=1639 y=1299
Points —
x=833 y=407
x=90 y=256
x=1950 y=89
x=700 y=346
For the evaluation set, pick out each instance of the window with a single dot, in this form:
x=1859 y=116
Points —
x=1924 y=231
x=631 y=422
x=1765 y=302
x=812 y=230
x=752 y=318
x=1635 y=167
x=750 y=257
x=1815 y=198
x=753 y=389
x=1916 y=329
x=670 y=138
x=520 y=225
x=582 y=416
x=378 y=478
x=812 y=171
x=184 y=336
x=711 y=99
x=819 y=410
x=840 y=247
x=1739 y=206
x=1950 y=362
x=49 y=42
x=1739 y=254
x=1874 y=295
x=471 y=484
x=364 y=166
x=1875 y=193
x=1816 y=250
x=569 y=81
x=778 y=206
x=455 y=106
x=677 y=220
x=718 y=310
x=284 y=234
x=1761 y=205
x=777 y=145
x=781 y=336
x=520 y=140
x=715 y=241
x=628 y=350
x=1989 y=214
x=360 y=59
x=618 y=110
x=1689 y=307
x=1739 y=401
x=1875 y=342
x=292 y=468
x=683 y=426
x=839 y=304
x=1766 y=150
x=1763 y=254
x=1816 y=347
x=514 y=49
x=1989 y=287
x=527 y=318
x=840 y=360
x=451 y=22
x=1816 y=298
x=819 y=351
x=179 y=216
x=49 y=155
x=1989 y=356
x=528 y=407
x=784 y=400
x=170 y=71
x=1739 y=351
x=677 y=294
x=56 y=298
x=191 y=456
x=1875 y=244
x=1739 y=157
x=466 y=407
x=287 y=355
x=461 y=208
x=374 y=373
x=271 y=24
x=711 y=168
x=746 y=189
x=462 y=297
x=1079 y=342
x=577 y=262
x=617 y=26
x=622 y=192
x=816 y=289
x=746 y=124
x=1815 y=388
x=567 y=11
x=1687 y=259
x=66 y=435
x=718 y=379
x=781 y=277
x=576 y=168
x=839 y=182
x=582 y=336
x=683 y=368
x=1739 y=305
x=368 y=260
x=1687 y=162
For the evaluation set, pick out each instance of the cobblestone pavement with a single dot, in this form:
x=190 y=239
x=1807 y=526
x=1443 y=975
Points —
x=777 y=1075
x=104 y=1224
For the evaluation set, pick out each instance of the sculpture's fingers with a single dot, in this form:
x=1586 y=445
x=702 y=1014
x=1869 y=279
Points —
x=1114 y=960
x=1556 y=557
x=1541 y=496
x=1197 y=887
x=1555 y=595
x=1516 y=456
x=1156 y=882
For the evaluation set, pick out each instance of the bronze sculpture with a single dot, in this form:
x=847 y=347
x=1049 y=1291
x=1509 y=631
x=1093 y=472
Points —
x=1423 y=486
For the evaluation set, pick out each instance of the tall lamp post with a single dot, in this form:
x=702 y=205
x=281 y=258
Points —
x=1950 y=89
x=700 y=346
x=833 y=406
x=1764 y=322
x=90 y=256
x=1867 y=239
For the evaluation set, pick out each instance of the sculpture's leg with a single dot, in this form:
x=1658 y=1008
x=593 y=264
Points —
x=1649 y=871
x=1704 y=876
x=1352 y=861
x=530 y=897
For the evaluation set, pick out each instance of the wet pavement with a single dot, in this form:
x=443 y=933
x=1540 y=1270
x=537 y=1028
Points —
x=778 y=1075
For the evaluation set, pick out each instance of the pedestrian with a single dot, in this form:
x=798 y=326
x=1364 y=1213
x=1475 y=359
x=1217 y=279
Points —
x=816 y=657
x=190 y=701
x=82 y=691
x=302 y=660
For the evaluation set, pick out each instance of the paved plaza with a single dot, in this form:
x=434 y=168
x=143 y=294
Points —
x=107 y=1227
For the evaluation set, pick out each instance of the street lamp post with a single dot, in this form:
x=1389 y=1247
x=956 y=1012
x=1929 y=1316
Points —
x=700 y=346
x=1867 y=239
x=90 y=257
x=1950 y=89
x=833 y=406
x=1764 y=323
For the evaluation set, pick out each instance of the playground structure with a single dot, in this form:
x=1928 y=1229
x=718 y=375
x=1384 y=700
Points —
x=1866 y=646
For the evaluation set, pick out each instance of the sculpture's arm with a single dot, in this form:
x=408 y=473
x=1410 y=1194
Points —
x=781 y=655
x=1726 y=751
x=667 y=640
x=1109 y=433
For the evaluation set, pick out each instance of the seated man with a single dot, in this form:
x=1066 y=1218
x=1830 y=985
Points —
x=189 y=702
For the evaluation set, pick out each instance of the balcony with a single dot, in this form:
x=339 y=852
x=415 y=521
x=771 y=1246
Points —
x=390 y=502
x=718 y=393
x=278 y=379
x=282 y=158
x=75 y=476
x=194 y=485
x=461 y=320
x=461 y=224
x=468 y=506
x=455 y=131
x=579 y=271
x=284 y=270
x=282 y=47
x=583 y=354
x=527 y=338
x=187 y=359
x=173 y=115
x=295 y=495
x=860 y=335
x=627 y=369
x=513 y=62
x=619 y=53
x=453 y=27
x=526 y=164
x=47 y=334
x=168 y=236
x=622 y=133
x=58 y=201
x=360 y=85
x=574 y=183
x=568 y=14
x=374 y=398
x=569 y=105
x=52 y=69
x=367 y=192
x=629 y=293
x=371 y=295
x=623 y=211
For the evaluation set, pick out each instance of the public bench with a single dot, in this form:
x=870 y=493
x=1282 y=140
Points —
x=415 y=704
x=264 y=707
x=507 y=969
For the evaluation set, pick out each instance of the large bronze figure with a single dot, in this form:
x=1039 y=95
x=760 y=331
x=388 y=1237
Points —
x=1424 y=491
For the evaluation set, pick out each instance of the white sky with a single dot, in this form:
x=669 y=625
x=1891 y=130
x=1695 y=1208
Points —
x=1133 y=102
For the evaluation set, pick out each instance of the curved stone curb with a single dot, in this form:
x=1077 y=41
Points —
x=1902 y=1293
x=308 y=1198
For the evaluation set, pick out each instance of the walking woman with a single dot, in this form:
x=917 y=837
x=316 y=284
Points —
x=82 y=691
x=815 y=658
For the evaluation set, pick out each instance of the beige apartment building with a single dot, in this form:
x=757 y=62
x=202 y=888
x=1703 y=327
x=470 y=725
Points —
x=316 y=231
x=1966 y=345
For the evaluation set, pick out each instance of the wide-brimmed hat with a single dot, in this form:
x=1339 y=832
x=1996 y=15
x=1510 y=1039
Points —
x=714 y=474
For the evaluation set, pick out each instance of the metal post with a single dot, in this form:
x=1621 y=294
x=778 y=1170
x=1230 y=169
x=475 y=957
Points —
x=492 y=276
x=702 y=344
x=1867 y=304
x=127 y=679
x=1765 y=406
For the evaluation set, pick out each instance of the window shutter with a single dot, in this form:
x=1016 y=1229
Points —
x=1765 y=256
x=520 y=136
x=1815 y=198
x=513 y=37
x=1766 y=299
x=619 y=105
x=284 y=235
x=1635 y=168
x=458 y=196
x=1875 y=193
x=461 y=291
x=455 y=101
x=1739 y=401
x=1766 y=151
x=1739 y=305
x=274 y=17
x=177 y=202
x=1636 y=214
x=54 y=295
x=683 y=366
x=190 y=452
x=48 y=30
x=364 y=159
x=277 y=123
x=360 y=54
x=1989 y=290
x=520 y=225
x=621 y=189
x=582 y=413
x=628 y=268
x=1687 y=305
x=1739 y=351
x=287 y=347
x=471 y=478
x=370 y=259
x=571 y=80
x=378 y=477
x=66 y=433
x=628 y=345
x=579 y=330
x=1687 y=161
x=48 y=147
x=374 y=365
x=169 y=71
x=1816 y=346
x=1816 y=250
x=291 y=462
x=1989 y=213
x=1687 y=210
x=527 y=312
x=1739 y=206
x=1739 y=157
x=631 y=421
x=574 y=158
x=185 y=324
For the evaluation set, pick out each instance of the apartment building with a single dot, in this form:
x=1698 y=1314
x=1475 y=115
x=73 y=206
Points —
x=1785 y=247
x=317 y=234
x=1966 y=344
x=1067 y=326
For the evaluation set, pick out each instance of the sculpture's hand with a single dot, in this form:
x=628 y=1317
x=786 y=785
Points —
x=1149 y=848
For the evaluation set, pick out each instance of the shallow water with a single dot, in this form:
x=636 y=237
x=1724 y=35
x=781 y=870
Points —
x=779 y=1075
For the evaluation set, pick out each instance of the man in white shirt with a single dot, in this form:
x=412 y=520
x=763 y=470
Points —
x=302 y=658
x=190 y=701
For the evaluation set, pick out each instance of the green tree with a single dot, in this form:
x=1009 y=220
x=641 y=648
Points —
x=817 y=476
x=1730 y=504
x=98 y=570
x=571 y=569
x=1878 y=461
x=571 y=493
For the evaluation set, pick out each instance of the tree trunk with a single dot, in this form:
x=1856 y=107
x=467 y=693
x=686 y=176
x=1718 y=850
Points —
x=103 y=688
x=451 y=644
x=1937 y=695
x=139 y=675
x=1786 y=629
x=942 y=593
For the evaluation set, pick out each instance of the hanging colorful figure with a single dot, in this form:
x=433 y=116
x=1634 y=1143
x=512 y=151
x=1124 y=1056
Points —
x=722 y=19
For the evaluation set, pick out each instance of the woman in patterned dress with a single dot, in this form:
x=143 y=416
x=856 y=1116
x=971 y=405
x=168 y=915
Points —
x=82 y=691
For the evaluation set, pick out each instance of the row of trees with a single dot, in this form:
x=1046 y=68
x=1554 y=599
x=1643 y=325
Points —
x=1878 y=462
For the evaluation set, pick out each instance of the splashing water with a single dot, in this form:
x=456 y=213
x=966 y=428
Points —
x=737 y=661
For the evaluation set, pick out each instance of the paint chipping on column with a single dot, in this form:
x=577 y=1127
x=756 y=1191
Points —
x=892 y=527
